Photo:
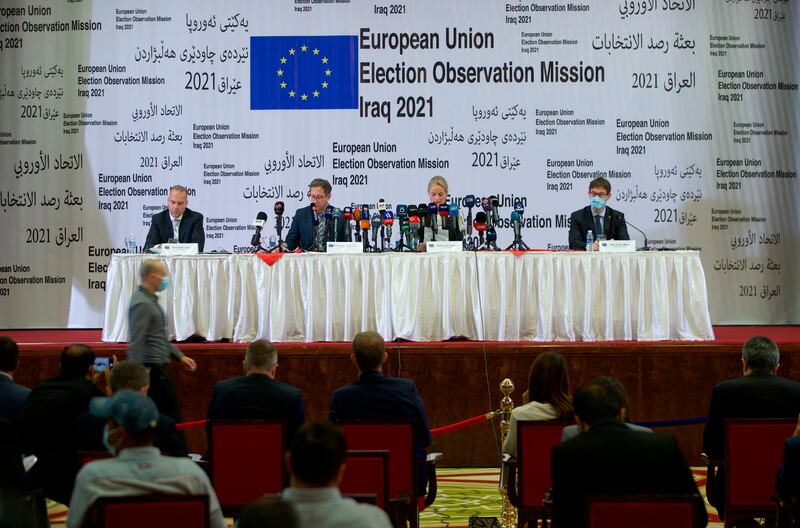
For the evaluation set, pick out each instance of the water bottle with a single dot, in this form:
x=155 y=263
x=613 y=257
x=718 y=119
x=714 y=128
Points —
x=589 y=241
x=130 y=243
x=272 y=241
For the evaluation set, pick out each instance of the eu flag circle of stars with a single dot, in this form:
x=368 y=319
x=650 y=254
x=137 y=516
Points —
x=293 y=53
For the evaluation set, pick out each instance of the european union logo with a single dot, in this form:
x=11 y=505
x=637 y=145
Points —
x=295 y=73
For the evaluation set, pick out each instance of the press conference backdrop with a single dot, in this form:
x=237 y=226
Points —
x=690 y=108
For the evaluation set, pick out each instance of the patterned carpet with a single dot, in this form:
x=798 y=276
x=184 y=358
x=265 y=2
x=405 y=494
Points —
x=462 y=493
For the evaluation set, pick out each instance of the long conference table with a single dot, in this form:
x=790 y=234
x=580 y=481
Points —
x=491 y=296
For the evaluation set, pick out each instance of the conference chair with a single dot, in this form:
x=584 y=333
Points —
x=152 y=511
x=398 y=439
x=529 y=477
x=245 y=461
x=84 y=457
x=366 y=476
x=653 y=511
x=753 y=454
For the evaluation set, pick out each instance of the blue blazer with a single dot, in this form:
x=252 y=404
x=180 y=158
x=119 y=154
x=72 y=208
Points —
x=788 y=481
x=257 y=396
x=582 y=220
x=12 y=398
x=302 y=234
x=191 y=229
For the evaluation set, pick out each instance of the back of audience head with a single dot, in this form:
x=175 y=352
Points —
x=268 y=512
x=760 y=354
x=9 y=354
x=261 y=357
x=369 y=351
x=130 y=375
x=317 y=455
x=132 y=419
x=77 y=361
x=603 y=397
x=548 y=382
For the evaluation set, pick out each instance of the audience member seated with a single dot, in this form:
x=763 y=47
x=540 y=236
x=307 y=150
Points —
x=571 y=431
x=138 y=467
x=257 y=394
x=548 y=396
x=130 y=375
x=48 y=418
x=377 y=397
x=12 y=396
x=607 y=458
x=788 y=481
x=758 y=393
x=316 y=463
x=268 y=512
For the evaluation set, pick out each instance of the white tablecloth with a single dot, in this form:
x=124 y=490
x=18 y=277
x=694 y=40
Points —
x=538 y=296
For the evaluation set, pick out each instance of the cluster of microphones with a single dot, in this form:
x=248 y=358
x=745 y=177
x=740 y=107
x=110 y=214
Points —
x=374 y=231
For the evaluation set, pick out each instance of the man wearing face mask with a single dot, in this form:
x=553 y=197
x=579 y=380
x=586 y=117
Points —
x=148 y=337
x=138 y=468
x=597 y=217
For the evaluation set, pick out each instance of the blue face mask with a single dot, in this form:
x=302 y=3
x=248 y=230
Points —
x=596 y=202
x=110 y=448
x=164 y=284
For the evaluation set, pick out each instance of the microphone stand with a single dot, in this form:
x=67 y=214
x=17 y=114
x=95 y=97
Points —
x=643 y=248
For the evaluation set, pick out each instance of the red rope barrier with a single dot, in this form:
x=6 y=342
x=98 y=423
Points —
x=469 y=422
x=190 y=425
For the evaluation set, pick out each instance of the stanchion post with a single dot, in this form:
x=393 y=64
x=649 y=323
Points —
x=508 y=517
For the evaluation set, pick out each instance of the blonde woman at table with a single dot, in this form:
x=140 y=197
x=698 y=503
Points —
x=548 y=396
x=438 y=193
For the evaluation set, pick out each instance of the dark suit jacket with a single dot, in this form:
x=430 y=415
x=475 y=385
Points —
x=377 y=397
x=12 y=398
x=302 y=232
x=257 y=396
x=582 y=221
x=788 y=481
x=89 y=435
x=191 y=229
x=757 y=395
x=611 y=459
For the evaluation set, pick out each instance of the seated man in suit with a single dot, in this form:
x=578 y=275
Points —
x=137 y=468
x=309 y=228
x=48 y=417
x=759 y=393
x=788 y=481
x=608 y=458
x=597 y=217
x=12 y=396
x=257 y=394
x=130 y=375
x=377 y=397
x=176 y=222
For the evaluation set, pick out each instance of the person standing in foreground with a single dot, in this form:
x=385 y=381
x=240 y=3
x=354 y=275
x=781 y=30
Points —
x=148 y=337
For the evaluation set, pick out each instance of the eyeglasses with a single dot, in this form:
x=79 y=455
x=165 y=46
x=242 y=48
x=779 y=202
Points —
x=598 y=194
x=317 y=196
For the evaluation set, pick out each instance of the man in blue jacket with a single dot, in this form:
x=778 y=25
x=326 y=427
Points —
x=309 y=228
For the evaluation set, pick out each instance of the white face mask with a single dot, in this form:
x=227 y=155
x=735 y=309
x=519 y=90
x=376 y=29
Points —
x=109 y=447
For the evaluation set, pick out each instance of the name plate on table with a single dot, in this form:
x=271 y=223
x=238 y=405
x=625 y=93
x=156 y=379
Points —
x=344 y=247
x=177 y=249
x=444 y=247
x=617 y=246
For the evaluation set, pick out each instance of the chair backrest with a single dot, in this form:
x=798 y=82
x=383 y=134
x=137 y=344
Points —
x=366 y=474
x=653 y=511
x=246 y=460
x=397 y=438
x=753 y=454
x=152 y=511
x=535 y=443
x=84 y=457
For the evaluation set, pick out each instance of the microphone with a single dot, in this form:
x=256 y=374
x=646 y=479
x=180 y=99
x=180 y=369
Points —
x=515 y=224
x=412 y=210
x=347 y=215
x=337 y=218
x=414 y=225
x=455 y=215
x=328 y=222
x=357 y=218
x=486 y=205
x=314 y=220
x=376 y=223
x=433 y=209
x=469 y=203
x=261 y=219
x=365 y=212
x=444 y=212
x=402 y=211
x=381 y=205
x=619 y=217
x=422 y=212
x=365 y=224
x=518 y=207
x=480 y=225
x=278 y=210
x=495 y=213
x=388 y=221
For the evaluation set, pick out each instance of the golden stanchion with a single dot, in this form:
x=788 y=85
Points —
x=508 y=518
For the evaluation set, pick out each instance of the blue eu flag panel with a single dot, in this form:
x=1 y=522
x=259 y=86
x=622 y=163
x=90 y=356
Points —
x=297 y=73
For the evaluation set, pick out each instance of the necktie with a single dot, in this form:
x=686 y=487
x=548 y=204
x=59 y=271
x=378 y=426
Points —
x=321 y=226
x=176 y=225
x=598 y=225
